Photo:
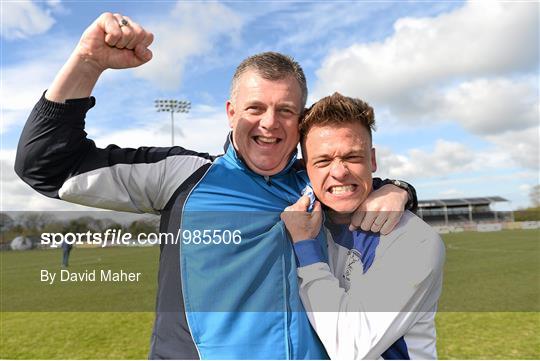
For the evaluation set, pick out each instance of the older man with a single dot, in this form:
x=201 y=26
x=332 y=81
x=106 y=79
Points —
x=368 y=295
x=232 y=256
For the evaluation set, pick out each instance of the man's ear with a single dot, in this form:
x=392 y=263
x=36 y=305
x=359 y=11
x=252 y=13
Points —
x=230 y=112
x=373 y=161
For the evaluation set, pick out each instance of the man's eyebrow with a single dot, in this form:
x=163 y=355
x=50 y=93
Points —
x=322 y=156
x=286 y=104
x=357 y=152
x=254 y=102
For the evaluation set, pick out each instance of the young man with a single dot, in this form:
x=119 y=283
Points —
x=367 y=295
x=232 y=300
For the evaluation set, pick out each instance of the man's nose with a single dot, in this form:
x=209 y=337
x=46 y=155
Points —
x=269 y=120
x=339 y=169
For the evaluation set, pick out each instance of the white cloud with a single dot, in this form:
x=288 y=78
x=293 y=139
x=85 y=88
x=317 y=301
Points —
x=445 y=159
x=451 y=170
x=22 y=19
x=7 y=154
x=481 y=179
x=191 y=29
x=24 y=82
x=481 y=106
x=525 y=188
x=479 y=39
x=18 y=96
x=203 y=131
x=448 y=159
x=475 y=65
x=492 y=106
x=54 y=3
x=523 y=146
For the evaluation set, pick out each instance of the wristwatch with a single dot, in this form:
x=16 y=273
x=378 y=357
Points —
x=412 y=203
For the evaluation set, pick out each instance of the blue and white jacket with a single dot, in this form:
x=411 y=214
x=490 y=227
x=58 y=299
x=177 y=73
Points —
x=370 y=296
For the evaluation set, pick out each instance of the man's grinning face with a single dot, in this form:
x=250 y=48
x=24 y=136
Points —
x=340 y=162
x=263 y=115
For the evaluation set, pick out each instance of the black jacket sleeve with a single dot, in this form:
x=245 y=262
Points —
x=55 y=157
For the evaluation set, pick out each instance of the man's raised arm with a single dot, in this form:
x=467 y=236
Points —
x=55 y=157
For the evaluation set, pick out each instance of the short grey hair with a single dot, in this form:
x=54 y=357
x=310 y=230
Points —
x=272 y=66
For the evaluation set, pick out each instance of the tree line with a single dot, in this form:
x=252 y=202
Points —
x=32 y=224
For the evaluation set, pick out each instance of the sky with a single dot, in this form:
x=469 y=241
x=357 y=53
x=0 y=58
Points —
x=454 y=85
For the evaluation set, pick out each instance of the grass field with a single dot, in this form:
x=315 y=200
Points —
x=489 y=308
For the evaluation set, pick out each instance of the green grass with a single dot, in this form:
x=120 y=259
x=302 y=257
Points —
x=488 y=335
x=108 y=320
x=75 y=335
x=22 y=289
x=495 y=271
x=485 y=274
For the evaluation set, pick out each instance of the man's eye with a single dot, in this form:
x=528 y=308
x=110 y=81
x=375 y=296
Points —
x=322 y=163
x=355 y=159
x=286 y=113
x=254 y=109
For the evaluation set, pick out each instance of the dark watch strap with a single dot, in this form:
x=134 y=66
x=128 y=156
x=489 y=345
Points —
x=412 y=203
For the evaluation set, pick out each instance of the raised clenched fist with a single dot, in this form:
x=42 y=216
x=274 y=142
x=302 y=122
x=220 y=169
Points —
x=115 y=41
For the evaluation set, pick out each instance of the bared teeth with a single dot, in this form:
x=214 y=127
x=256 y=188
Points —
x=267 y=139
x=341 y=189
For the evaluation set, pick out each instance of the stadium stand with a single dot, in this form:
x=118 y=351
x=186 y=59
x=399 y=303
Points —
x=462 y=211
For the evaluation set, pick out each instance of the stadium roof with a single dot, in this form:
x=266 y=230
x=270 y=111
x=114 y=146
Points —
x=459 y=202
